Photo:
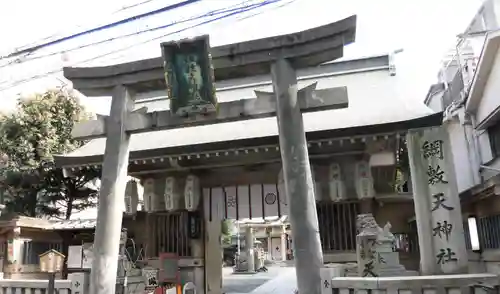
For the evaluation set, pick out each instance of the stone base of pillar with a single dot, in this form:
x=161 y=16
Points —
x=283 y=247
x=366 y=205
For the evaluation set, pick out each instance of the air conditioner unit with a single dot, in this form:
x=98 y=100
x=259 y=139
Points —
x=172 y=194
x=336 y=185
x=192 y=193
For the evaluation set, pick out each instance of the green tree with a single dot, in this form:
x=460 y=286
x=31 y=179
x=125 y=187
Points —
x=226 y=228
x=29 y=137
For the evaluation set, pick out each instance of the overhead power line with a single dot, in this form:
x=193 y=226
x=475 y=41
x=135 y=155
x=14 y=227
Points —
x=190 y=19
x=44 y=39
x=100 y=28
x=132 y=6
x=257 y=13
x=241 y=10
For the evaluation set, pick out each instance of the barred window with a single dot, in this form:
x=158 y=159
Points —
x=467 y=235
x=170 y=233
x=337 y=225
x=489 y=233
x=494 y=134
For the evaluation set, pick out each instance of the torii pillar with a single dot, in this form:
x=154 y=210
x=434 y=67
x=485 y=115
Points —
x=299 y=184
x=111 y=195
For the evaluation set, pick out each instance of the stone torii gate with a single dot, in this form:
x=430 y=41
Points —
x=281 y=56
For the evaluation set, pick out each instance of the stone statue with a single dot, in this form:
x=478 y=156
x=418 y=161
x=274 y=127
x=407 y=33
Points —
x=366 y=224
x=375 y=249
x=385 y=235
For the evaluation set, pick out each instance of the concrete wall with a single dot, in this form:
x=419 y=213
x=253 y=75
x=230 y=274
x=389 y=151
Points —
x=488 y=17
x=436 y=102
x=463 y=149
x=490 y=101
x=471 y=146
x=488 y=105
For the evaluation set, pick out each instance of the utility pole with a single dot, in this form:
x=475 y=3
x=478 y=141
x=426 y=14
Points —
x=298 y=178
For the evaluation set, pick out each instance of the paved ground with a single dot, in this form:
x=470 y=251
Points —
x=278 y=280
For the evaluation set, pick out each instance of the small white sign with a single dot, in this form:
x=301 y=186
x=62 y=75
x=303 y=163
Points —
x=75 y=256
x=326 y=280
x=88 y=255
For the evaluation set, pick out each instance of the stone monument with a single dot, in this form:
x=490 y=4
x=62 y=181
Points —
x=375 y=250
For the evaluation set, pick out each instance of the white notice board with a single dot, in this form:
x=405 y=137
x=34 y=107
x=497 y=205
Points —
x=75 y=256
x=88 y=255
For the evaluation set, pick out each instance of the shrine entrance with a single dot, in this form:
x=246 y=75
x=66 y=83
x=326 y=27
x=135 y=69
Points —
x=192 y=141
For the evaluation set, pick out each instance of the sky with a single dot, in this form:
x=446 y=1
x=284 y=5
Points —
x=424 y=29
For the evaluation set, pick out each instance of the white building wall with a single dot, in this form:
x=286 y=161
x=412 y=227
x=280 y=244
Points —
x=491 y=94
x=370 y=90
x=487 y=107
x=461 y=155
x=471 y=146
x=374 y=95
x=486 y=154
x=487 y=18
x=368 y=87
x=436 y=102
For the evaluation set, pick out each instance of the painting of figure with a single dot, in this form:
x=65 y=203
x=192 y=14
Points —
x=192 y=74
x=189 y=76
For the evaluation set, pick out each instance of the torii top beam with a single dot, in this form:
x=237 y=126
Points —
x=303 y=49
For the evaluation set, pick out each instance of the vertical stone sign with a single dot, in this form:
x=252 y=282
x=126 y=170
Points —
x=437 y=201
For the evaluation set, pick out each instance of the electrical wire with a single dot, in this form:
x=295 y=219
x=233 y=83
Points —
x=132 y=6
x=100 y=28
x=257 y=13
x=208 y=14
x=17 y=83
x=78 y=26
x=212 y=13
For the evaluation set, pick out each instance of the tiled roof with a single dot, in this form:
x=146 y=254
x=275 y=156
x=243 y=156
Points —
x=73 y=224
